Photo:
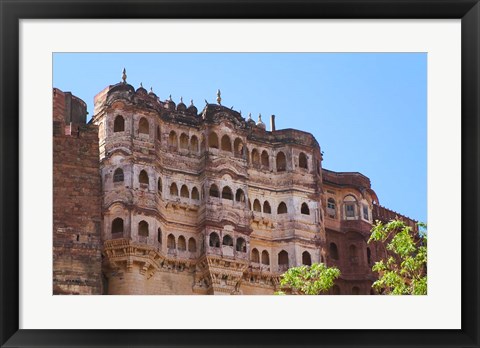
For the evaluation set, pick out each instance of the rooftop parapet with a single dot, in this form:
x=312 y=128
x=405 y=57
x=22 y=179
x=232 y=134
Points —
x=346 y=178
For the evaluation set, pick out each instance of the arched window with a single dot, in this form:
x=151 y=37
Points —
x=283 y=258
x=184 y=141
x=214 y=191
x=192 y=245
x=333 y=251
x=159 y=134
x=117 y=228
x=182 y=243
x=195 y=194
x=255 y=256
x=118 y=175
x=226 y=143
x=241 y=245
x=227 y=240
x=350 y=203
x=213 y=140
x=143 y=127
x=159 y=185
x=282 y=208
x=238 y=147
x=227 y=193
x=184 y=192
x=257 y=206
x=281 y=162
x=331 y=208
x=172 y=139
x=304 y=210
x=171 y=242
x=266 y=208
x=143 y=177
x=173 y=189
x=265 y=258
x=336 y=290
x=119 y=124
x=240 y=196
x=194 y=144
x=255 y=157
x=355 y=290
x=214 y=240
x=159 y=235
x=264 y=159
x=352 y=250
x=365 y=212
x=369 y=256
x=302 y=161
x=306 y=258
x=143 y=228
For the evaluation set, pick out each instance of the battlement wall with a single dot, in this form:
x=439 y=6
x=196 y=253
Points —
x=76 y=203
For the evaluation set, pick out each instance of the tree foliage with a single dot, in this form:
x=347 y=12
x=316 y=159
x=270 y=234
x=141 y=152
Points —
x=404 y=270
x=309 y=280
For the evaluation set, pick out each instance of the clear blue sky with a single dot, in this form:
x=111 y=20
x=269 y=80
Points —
x=368 y=111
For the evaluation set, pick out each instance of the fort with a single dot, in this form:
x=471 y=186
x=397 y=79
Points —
x=154 y=197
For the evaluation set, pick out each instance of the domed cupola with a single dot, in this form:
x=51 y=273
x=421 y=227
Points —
x=250 y=121
x=260 y=123
x=181 y=106
x=192 y=109
x=151 y=94
x=169 y=104
x=141 y=90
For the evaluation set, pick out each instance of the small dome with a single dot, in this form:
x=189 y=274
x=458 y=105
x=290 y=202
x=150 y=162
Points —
x=151 y=94
x=141 y=89
x=181 y=106
x=250 y=121
x=170 y=104
x=192 y=109
x=260 y=123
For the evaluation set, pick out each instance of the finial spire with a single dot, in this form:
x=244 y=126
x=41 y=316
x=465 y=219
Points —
x=219 y=97
x=151 y=89
x=249 y=116
x=124 y=76
x=191 y=102
x=181 y=100
x=141 y=85
x=170 y=98
x=259 y=117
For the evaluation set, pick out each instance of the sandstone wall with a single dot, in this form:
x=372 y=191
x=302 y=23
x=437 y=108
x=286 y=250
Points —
x=76 y=205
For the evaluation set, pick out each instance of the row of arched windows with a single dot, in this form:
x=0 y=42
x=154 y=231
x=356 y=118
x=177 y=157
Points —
x=181 y=243
x=214 y=242
x=227 y=193
x=282 y=208
x=282 y=257
x=143 y=179
x=143 y=231
x=184 y=142
x=184 y=192
x=351 y=207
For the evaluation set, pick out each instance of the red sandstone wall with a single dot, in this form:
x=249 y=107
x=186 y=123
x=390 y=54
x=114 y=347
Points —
x=76 y=207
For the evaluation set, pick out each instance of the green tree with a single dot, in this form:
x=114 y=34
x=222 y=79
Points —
x=404 y=270
x=308 y=280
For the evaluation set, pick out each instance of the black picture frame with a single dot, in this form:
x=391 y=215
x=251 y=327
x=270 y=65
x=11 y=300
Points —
x=12 y=11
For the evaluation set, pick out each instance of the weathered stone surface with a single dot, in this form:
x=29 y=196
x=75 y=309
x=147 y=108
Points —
x=207 y=203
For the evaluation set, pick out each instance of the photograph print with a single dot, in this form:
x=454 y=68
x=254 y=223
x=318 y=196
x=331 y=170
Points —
x=239 y=174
